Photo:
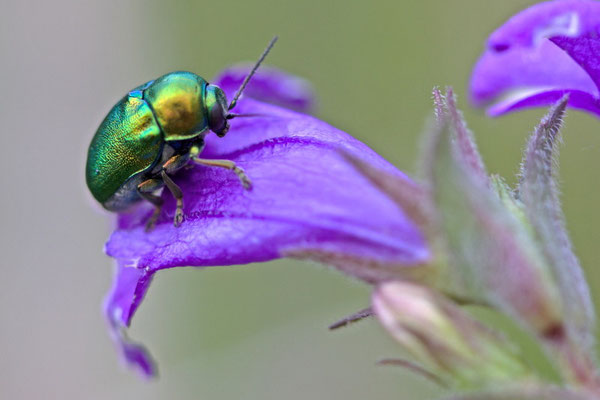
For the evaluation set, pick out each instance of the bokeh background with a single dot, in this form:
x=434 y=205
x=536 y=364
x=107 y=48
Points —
x=251 y=332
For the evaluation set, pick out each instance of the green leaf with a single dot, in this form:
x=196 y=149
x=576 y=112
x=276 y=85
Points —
x=465 y=143
x=493 y=258
x=538 y=190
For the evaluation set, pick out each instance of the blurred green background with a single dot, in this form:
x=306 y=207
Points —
x=252 y=332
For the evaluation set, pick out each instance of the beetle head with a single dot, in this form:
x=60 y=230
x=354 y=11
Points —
x=216 y=105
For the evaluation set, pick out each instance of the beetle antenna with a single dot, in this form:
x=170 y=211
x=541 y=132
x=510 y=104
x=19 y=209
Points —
x=247 y=79
x=234 y=115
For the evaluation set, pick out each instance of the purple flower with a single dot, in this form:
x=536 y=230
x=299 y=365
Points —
x=305 y=197
x=539 y=55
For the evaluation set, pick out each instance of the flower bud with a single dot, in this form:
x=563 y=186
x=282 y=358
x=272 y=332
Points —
x=445 y=339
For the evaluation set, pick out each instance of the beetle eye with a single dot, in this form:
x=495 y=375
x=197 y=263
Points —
x=216 y=105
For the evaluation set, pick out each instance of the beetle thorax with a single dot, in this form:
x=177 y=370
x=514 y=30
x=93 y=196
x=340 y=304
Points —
x=177 y=100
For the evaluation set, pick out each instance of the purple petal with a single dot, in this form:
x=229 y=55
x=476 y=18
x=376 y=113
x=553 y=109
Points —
x=571 y=25
x=585 y=50
x=301 y=187
x=128 y=291
x=549 y=47
x=569 y=18
x=520 y=72
x=305 y=195
x=270 y=85
x=577 y=99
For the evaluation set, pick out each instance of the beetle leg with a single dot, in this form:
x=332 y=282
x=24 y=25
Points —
x=145 y=190
x=177 y=193
x=171 y=165
x=228 y=164
x=174 y=163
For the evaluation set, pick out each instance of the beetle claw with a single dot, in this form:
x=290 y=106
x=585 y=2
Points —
x=246 y=182
x=178 y=219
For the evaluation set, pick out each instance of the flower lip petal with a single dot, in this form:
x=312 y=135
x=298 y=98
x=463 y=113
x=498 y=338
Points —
x=304 y=195
x=295 y=201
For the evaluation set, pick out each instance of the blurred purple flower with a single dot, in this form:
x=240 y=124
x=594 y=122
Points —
x=305 y=196
x=539 y=55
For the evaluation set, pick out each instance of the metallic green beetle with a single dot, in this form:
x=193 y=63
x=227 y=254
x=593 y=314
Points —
x=153 y=132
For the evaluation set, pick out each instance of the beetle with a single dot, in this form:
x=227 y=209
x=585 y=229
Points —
x=153 y=132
